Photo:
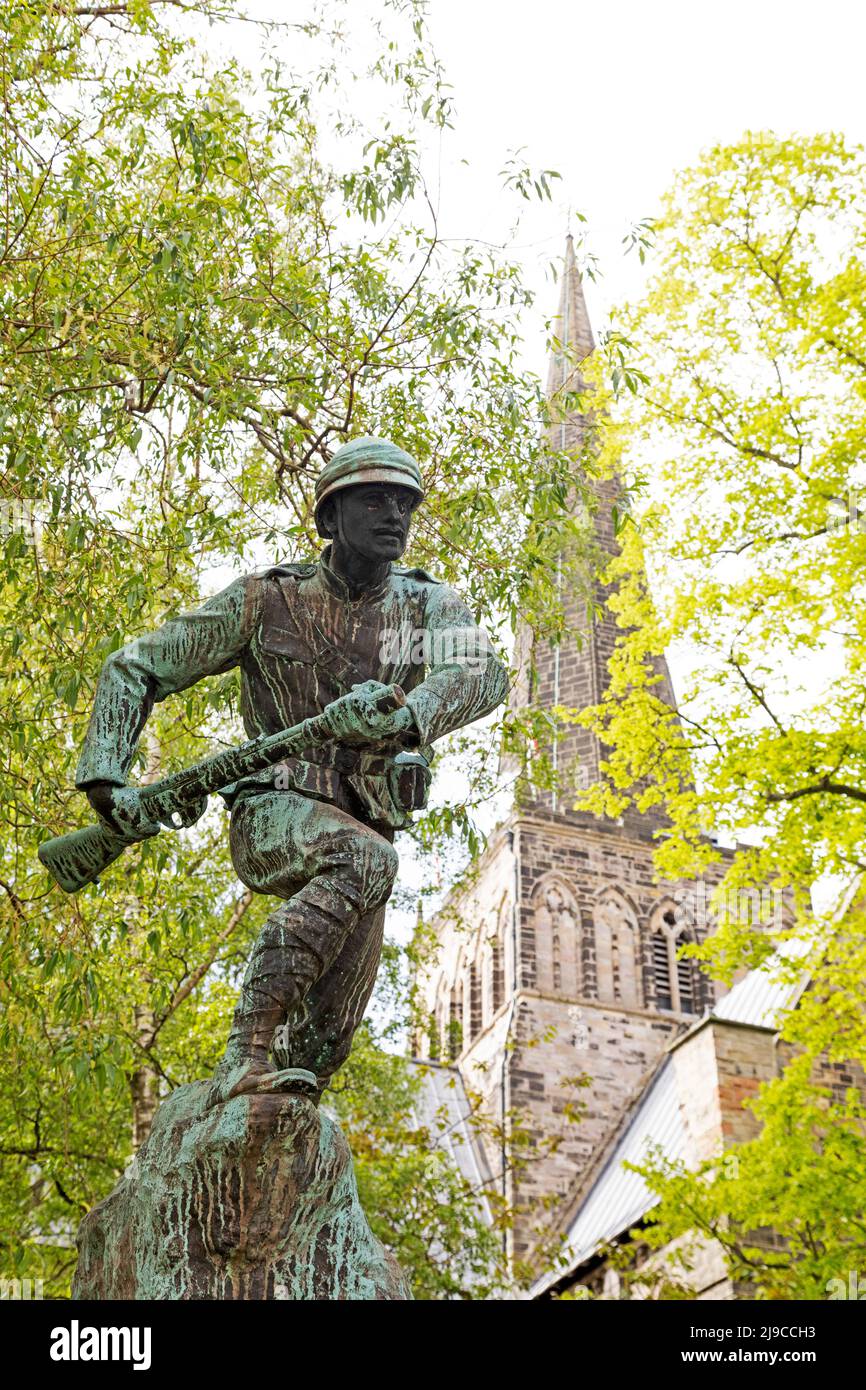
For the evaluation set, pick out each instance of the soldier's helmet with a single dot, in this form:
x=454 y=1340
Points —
x=367 y=460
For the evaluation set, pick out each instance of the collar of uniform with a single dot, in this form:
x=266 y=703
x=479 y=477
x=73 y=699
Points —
x=339 y=586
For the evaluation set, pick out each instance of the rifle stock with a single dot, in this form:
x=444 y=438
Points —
x=79 y=857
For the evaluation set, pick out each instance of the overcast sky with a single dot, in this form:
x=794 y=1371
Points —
x=618 y=97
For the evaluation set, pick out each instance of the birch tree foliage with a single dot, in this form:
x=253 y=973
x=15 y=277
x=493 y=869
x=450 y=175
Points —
x=747 y=445
x=201 y=297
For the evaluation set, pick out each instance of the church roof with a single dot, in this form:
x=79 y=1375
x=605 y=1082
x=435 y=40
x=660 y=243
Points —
x=444 y=1109
x=759 y=998
x=618 y=1198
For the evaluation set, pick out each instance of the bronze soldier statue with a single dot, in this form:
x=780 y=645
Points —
x=317 y=830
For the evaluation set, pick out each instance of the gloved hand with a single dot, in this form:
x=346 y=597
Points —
x=354 y=719
x=120 y=808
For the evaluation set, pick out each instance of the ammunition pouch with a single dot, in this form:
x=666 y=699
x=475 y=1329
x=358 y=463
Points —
x=410 y=779
x=390 y=795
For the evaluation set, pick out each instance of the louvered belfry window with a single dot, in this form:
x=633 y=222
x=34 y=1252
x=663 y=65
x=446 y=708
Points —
x=662 y=971
x=685 y=980
x=674 y=978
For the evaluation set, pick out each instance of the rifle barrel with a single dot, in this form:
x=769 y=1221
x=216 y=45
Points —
x=79 y=857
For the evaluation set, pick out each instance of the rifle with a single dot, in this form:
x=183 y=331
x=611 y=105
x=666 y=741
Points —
x=78 y=858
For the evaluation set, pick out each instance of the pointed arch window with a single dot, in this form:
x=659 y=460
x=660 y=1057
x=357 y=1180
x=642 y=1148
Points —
x=498 y=964
x=617 y=941
x=556 y=920
x=686 y=978
x=455 y=1025
x=675 y=979
x=474 y=1022
x=661 y=962
x=439 y=1023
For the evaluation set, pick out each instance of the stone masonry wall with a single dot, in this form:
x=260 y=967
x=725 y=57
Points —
x=582 y=983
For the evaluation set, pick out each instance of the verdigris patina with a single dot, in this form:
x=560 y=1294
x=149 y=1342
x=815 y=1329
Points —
x=389 y=660
x=252 y=1199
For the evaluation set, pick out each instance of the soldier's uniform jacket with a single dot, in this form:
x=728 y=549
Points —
x=301 y=640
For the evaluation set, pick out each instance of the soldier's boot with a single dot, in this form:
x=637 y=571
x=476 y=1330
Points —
x=297 y=942
x=246 y=1067
x=246 y=1061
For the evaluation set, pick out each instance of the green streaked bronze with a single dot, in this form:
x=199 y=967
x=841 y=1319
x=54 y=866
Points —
x=350 y=669
x=255 y=1199
x=76 y=859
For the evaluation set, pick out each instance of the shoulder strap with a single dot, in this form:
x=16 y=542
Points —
x=300 y=569
x=255 y=582
x=416 y=573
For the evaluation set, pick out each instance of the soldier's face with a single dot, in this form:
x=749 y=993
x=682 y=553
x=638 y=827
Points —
x=376 y=518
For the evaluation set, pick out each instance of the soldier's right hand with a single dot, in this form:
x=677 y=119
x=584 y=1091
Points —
x=120 y=808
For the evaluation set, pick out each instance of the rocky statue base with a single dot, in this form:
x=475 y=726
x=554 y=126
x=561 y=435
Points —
x=253 y=1199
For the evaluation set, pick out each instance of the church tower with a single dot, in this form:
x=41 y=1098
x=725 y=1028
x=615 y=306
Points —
x=557 y=984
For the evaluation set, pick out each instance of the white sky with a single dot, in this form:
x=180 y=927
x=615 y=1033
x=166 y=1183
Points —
x=618 y=97
x=615 y=97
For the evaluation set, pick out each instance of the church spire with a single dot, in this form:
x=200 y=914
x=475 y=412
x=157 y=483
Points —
x=572 y=343
x=574 y=671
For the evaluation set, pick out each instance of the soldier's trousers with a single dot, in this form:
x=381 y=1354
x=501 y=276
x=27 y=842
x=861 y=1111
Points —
x=315 y=960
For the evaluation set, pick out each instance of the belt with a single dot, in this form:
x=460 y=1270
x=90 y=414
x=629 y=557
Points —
x=343 y=759
x=320 y=777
